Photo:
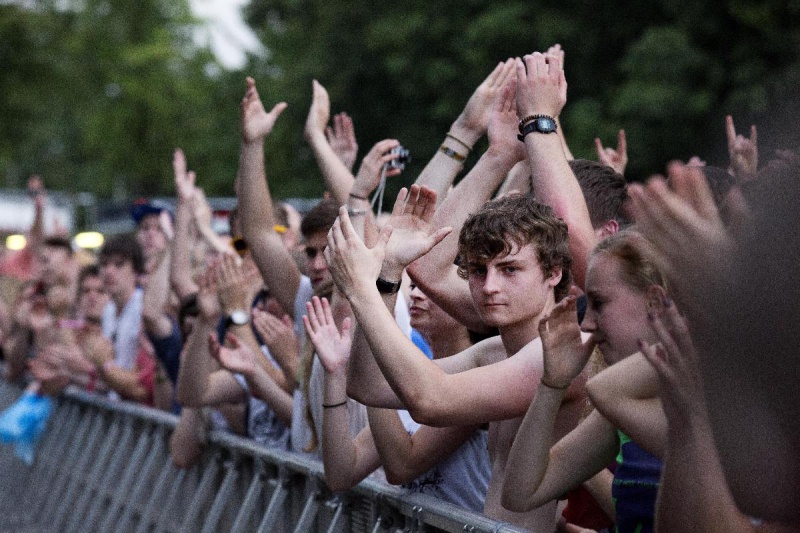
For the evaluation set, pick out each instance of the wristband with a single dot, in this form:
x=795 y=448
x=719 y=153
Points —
x=546 y=384
x=387 y=287
x=357 y=197
x=452 y=154
x=331 y=406
x=356 y=212
x=459 y=141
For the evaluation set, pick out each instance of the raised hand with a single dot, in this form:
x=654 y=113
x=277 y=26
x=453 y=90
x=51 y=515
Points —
x=616 y=159
x=474 y=119
x=565 y=352
x=676 y=362
x=504 y=125
x=319 y=113
x=743 y=152
x=239 y=358
x=332 y=347
x=233 y=287
x=541 y=85
x=277 y=333
x=369 y=174
x=413 y=235
x=256 y=123
x=184 y=180
x=684 y=226
x=342 y=138
x=353 y=266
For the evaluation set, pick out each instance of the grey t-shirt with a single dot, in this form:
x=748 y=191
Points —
x=263 y=425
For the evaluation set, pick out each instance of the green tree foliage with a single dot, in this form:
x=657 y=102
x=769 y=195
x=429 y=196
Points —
x=668 y=71
x=96 y=94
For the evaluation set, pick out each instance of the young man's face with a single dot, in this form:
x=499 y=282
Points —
x=511 y=289
x=119 y=276
x=53 y=262
x=316 y=266
x=93 y=297
x=150 y=236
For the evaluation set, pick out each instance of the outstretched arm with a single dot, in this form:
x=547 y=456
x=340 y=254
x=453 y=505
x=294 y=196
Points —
x=347 y=460
x=156 y=322
x=274 y=261
x=181 y=264
x=435 y=272
x=469 y=127
x=542 y=90
x=440 y=393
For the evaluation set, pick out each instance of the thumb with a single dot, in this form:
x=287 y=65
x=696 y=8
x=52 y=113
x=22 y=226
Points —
x=287 y=321
x=279 y=108
x=346 y=325
x=440 y=234
x=383 y=238
x=234 y=340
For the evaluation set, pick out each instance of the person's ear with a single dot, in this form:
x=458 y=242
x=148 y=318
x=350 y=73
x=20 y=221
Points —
x=655 y=298
x=555 y=277
x=609 y=228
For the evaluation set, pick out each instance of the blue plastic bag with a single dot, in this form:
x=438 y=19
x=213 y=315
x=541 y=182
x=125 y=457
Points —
x=23 y=423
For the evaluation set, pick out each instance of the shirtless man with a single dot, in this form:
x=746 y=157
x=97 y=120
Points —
x=515 y=256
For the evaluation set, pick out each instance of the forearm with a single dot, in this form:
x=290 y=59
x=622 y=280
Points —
x=187 y=440
x=124 y=382
x=554 y=184
x=412 y=376
x=563 y=139
x=518 y=180
x=345 y=464
x=181 y=263
x=258 y=221
x=599 y=487
x=263 y=387
x=155 y=299
x=405 y=457
x=442 y=169
x=626 y=394
x=694 y=495
x=338 y=178
x=529 y=459
x=217 y=243
x=15 y=349
x=196 y=366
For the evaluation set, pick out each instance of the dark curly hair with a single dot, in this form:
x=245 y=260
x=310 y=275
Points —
x=516 y=220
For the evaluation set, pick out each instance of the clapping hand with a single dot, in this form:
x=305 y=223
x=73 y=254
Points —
x=332 y=346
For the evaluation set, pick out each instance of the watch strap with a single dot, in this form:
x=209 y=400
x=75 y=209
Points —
x=387 y=287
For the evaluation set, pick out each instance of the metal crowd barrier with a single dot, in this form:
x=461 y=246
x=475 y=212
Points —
x=105 y=466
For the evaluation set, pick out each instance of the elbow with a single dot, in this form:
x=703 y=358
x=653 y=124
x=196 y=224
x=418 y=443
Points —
x=515 y=502
x=595 y=392
x=338 y=483
x=425 y=410
x=397 y=475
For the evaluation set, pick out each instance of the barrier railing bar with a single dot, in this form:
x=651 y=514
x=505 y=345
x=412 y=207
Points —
x=248 y=507
x=164 y=518
x=275 y=507
x=123 y=492
x=337 y=522
x=223 y=495
x=309 y=513
x=201 y=495
x=146 y=474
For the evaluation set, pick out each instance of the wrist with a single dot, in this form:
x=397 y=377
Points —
x=560 y=385
x=391 y=271
x=463 y=132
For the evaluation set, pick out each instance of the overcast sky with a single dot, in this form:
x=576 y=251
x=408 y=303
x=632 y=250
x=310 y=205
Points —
x=225 y=30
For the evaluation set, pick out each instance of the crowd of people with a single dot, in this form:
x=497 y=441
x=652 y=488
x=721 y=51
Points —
x=542 y=342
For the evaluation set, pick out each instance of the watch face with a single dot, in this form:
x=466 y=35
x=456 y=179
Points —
x=239 y=317
x=545 y=125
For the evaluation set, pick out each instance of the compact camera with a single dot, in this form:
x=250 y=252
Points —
x=403 y=158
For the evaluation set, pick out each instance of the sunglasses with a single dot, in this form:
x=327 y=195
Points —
x=240 y=245
x=312 y=252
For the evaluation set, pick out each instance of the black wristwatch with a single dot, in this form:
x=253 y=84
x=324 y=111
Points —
x=388 y=287
x=238 y=317
x=539 y=124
